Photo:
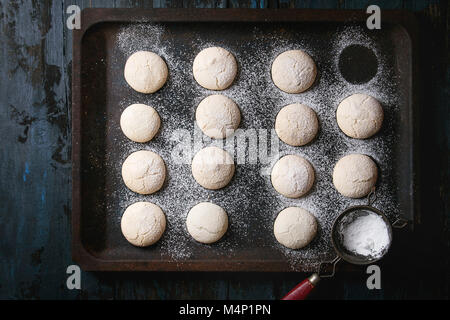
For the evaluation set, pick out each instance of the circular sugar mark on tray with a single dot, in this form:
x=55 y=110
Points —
x=358 y=64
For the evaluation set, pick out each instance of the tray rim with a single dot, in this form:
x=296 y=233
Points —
x=92 y=16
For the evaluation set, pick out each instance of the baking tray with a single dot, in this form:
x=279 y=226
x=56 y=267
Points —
x=99 y=95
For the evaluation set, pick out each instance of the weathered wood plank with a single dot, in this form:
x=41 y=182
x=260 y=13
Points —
x=132 y=4
x=239 y=3
x=286 y=4
x=316 y=4
x=34 y=219
x=384 y=4
x=101 y=4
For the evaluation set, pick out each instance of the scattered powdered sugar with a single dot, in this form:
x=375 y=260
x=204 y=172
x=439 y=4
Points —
x=365 y=233
x=250 y=200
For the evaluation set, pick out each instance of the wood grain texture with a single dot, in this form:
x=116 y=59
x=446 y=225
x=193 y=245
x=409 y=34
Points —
x=35 y=168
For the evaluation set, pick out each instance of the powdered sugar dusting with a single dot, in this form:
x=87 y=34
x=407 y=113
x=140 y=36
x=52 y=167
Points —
x=250 y=200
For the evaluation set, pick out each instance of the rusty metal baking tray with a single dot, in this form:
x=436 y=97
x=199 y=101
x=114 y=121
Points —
x=98 y=89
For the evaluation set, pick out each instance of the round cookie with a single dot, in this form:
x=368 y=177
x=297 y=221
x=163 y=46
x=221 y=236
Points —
x=143 y=223
x=215 y=68
x=355 y=175
x=359 y=116
x=212 y=168
x=294 y=71
x=292 y=176
x=144 y=172
x=295 y=227
x=296 y=124
x=140 y=122
x=218 y=116
x=145 y=72
x=207 y=222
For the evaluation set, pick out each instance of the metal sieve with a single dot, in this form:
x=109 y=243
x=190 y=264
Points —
x=327 y=269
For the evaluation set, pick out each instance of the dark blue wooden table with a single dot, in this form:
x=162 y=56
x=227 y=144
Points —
x=35 y=169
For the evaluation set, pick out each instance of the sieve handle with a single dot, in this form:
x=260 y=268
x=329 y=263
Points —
x=302 y=290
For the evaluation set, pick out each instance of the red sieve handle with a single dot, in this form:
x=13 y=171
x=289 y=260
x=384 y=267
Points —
x=302 y=290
